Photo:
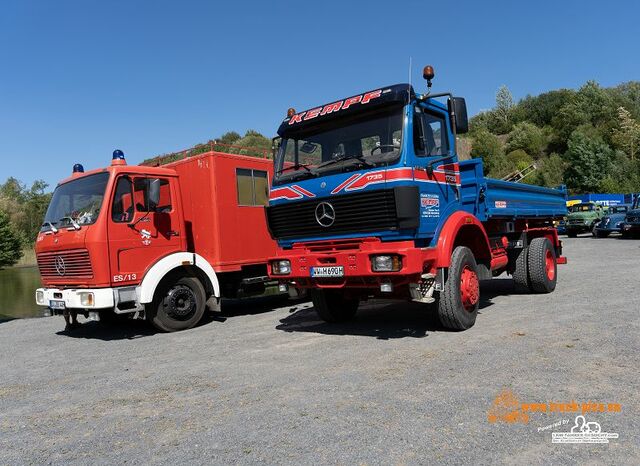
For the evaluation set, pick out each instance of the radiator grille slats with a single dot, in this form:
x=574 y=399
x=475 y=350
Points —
x=74 y=263
x=354 y=213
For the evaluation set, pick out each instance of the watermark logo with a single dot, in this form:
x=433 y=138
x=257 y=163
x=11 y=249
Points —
x=583 y=432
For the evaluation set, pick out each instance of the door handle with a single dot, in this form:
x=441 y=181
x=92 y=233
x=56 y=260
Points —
x=173 y=233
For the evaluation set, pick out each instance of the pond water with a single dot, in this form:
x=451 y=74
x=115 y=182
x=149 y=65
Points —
x=17 y=293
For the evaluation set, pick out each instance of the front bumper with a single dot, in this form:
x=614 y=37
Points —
x=103 y=298
x=355 y=258
x=630 y=227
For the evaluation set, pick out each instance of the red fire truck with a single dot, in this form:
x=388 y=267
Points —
x=156 y=242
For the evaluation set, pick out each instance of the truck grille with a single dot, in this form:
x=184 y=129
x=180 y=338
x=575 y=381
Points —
x=74 y=263
x=354 y=213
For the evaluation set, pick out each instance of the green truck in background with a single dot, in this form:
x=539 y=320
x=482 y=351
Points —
x=583 y=217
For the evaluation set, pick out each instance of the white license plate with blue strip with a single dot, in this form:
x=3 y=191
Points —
x=327 y=272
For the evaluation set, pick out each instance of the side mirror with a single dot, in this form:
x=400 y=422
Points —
x=154 y=193
x=459 y=108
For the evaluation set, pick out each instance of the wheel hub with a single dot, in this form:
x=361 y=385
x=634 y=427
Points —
x=181 y=302
x=469 y=288
x=549 y=265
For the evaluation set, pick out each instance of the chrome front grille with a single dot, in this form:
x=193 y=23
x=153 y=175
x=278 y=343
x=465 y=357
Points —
x=73 y=263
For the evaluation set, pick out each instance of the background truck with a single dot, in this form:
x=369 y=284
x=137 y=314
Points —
x=631 y=225
x=156 y=242
x=583 y=217
x=369 y=199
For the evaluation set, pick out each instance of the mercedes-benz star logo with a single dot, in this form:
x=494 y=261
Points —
x=325 y=214
x=60 y=267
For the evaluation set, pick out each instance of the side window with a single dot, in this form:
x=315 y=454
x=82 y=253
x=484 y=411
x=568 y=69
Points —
x=252 y=186
x=165 y=197
x=141 y=195
x=429 y=134
x=122 y=208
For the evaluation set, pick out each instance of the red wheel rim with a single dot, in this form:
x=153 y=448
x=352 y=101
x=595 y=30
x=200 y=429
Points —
x=469 y=288
x=550 y=265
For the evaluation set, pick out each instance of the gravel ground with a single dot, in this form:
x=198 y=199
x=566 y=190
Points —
x=272 y=384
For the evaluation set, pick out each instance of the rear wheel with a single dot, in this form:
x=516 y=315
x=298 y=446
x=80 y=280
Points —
x=460 y=298
x=333 y=306
x=179 y=305
x=543 y=270
x=521 y=271
x=572 y=234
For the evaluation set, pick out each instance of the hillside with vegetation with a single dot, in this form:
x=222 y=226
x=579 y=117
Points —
x=588 y=138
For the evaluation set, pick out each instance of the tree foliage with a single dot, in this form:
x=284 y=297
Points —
x=10 y=244
x=589 y=137
x=25 y=207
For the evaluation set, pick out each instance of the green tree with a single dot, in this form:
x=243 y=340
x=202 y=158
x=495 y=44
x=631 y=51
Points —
x=549 y=172
x=627 y=135
x=527 y=137
x=252 y=143
x=504 y=108
x=10 y=244
x=229 y=138
x=488 y=147
x=590 y=159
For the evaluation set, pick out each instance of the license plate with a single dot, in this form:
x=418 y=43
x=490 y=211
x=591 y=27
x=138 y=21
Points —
x=56 y=304
x=328 y=272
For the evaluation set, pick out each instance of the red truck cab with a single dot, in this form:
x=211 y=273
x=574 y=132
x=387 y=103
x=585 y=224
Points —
x=156 y=241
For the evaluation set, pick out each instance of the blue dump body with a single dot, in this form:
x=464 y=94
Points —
x=367 y=196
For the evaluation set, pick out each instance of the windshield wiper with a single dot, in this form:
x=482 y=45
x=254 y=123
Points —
x=71 y=221
x=54 y=229
x=359 y=158
x=295 y=167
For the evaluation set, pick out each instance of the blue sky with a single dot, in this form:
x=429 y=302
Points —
x=81 y=78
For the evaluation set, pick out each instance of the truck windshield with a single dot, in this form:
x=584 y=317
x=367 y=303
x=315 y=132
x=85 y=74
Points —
x=76 y=201
x=342 y=145
x=582 y=208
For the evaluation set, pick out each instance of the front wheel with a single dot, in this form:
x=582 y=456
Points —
x=572 y=234
x=332 y=306
x=460 y=299
x=179 y=305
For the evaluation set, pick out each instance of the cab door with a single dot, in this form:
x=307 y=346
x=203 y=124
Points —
x=439 y=186
x=140 y=231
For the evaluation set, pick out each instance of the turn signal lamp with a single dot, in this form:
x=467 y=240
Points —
x=118 y=158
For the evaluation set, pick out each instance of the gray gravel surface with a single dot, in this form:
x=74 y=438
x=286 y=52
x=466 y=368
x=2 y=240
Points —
x=269 y=383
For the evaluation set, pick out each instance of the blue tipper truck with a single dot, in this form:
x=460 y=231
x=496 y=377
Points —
x=369 y=199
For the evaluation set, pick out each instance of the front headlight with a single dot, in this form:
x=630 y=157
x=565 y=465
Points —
x=86 y=299
x=386 y=263
x=281 y=267
x=40 y=297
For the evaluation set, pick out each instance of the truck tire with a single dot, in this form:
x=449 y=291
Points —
x=179 y=305
x=600 y=234
x=521 y=272
x=572 y=234
x=332 y=306
x=543 y=270
x=460 y=298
